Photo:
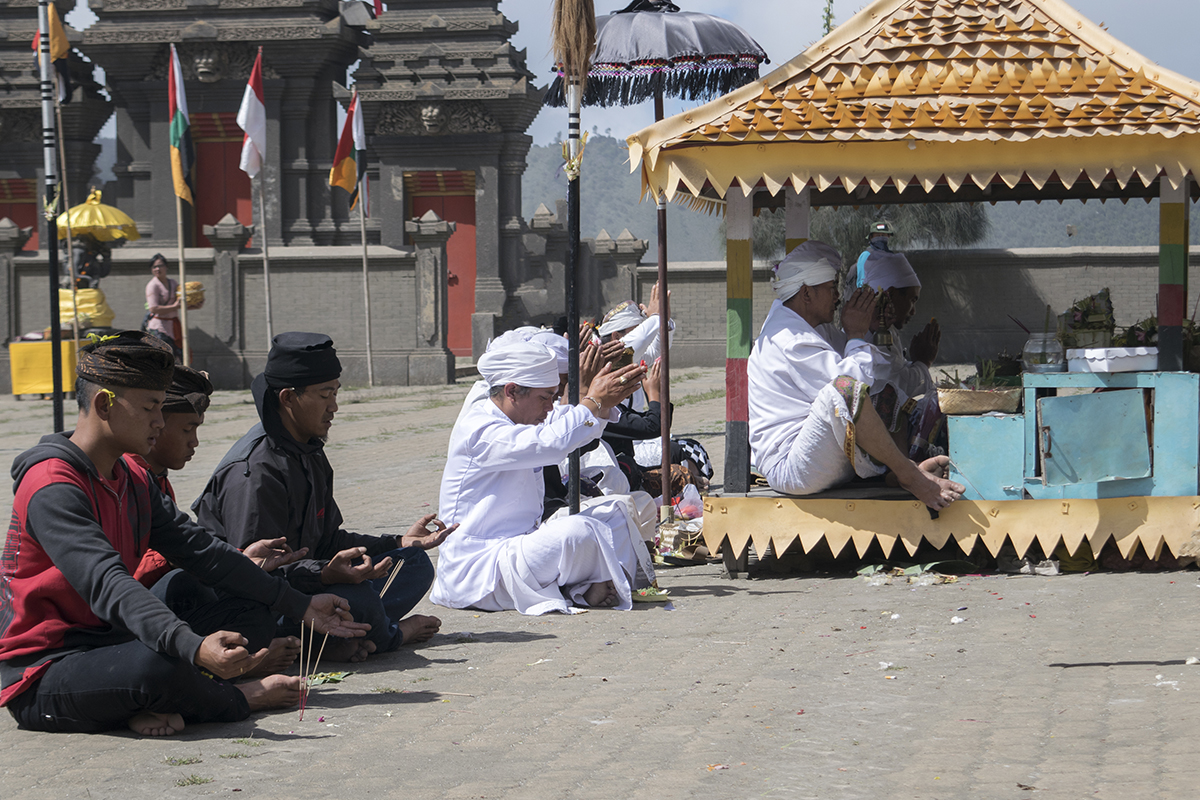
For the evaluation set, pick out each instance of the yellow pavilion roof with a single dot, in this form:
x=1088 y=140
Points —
x=946 y=93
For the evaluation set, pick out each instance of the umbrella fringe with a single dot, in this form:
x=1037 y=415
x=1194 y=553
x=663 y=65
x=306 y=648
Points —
x=703 y=83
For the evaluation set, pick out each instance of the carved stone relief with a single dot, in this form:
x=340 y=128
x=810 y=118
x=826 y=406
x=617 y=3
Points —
x=434 y=118
x=210 y=62
x=20 y=125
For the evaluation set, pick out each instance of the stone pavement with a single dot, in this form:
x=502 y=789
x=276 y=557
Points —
x=1064 y=687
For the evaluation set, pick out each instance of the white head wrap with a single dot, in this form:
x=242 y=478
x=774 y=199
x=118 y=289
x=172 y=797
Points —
x=885 y=270
x=524 y=363
x=810 y=264
x=556 y=343
x=627 y=315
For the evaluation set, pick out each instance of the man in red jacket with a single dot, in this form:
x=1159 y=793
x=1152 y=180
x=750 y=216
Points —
x=84 y=646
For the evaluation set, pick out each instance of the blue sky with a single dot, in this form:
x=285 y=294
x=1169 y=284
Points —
x=1165 y=31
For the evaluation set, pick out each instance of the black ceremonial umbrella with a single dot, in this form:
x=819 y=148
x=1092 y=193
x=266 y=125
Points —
x=648 y=49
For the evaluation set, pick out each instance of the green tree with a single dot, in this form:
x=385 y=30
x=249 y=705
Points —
x=827 y=17
x=933 y=225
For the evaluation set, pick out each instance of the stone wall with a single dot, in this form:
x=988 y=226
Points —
x=970 y=292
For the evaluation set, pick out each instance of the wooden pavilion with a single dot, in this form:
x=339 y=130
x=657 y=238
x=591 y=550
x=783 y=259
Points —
x=939 y=101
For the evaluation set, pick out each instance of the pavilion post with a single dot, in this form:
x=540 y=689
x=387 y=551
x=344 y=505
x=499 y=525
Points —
x=797 y=213
x=739 y=298
x=1173 y=207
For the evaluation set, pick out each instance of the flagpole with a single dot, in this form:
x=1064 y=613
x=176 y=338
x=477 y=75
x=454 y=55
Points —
x=50 y=203
x=66 y=202
x=187 y=358
x=362 y=226
x=262 y=218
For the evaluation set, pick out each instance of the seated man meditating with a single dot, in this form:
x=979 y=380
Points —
x=277 y=483
x=812 y=425
x=85 y=647
x=503 y=556
x=908 y=369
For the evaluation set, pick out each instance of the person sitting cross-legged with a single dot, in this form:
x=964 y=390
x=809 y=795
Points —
x=503 y=556
x=277 y=483
x=83 y=646
x=812 y=422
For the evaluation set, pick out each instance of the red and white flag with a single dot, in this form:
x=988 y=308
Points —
x=252 y=118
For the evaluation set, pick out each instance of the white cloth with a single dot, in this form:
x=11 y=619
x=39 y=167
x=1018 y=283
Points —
x=556 y=343
x=524 y=363
x=644 y=341
x=912 y=378
x=789 y=365
x=600 y=465
x=887 y=270
x=501 y=557
x=817 y=458
x=626 y=315
x=809 y=264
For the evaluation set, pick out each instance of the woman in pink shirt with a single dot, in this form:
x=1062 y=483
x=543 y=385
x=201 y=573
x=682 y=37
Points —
x=163 y=305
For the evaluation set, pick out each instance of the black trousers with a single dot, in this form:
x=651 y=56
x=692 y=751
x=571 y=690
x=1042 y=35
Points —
x=101 y=689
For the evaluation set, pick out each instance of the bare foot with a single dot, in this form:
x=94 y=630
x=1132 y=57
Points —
x=150 y=723
x=352 y=650
x=925 y=483
x=601 y=595
x=938 y=466
x=281 y=654
x=419 y=628
x=273 y=691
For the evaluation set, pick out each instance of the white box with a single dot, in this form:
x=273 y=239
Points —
x=1112 y=359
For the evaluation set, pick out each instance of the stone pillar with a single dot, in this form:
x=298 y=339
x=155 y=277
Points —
x=228 y=238
x=12 y=239
x=627 y=254
x=431 y=363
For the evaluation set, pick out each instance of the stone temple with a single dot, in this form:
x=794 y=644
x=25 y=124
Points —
x=447 y=100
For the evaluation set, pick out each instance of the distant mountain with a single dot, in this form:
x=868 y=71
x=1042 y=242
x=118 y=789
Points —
x=610 y=201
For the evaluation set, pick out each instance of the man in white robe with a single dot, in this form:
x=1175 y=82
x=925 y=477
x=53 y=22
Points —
x=812 y=425
x=908 y=370
x=503 y=557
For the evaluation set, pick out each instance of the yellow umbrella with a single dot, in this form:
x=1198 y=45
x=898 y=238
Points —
x=106 y=223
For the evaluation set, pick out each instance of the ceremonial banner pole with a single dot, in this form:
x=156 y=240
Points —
x=262 y=217
x=574 y=97
x=187 y=356
x=349 y=171
x=66 y=204
x=666 y=510
x=252 y=118
x=362 y=227
x=573 y=37
x=50 y=204
x=183 y=156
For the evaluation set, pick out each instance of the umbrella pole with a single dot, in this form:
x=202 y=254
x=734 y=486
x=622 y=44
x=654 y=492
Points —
x=50 y=201
x=66 y=201
x=262 y=221
x=666 y=511
x=362 y=227
x=574 y=100
x=187 y=356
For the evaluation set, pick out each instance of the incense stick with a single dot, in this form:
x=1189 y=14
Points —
x=1019 y=325
x=392 y=577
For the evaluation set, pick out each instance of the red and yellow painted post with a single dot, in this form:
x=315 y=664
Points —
x=739 y=294
x=1173 y=207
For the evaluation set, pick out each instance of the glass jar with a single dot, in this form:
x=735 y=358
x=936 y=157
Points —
x=1043 y=353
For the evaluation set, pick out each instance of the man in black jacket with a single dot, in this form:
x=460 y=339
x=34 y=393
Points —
x=277 y=482
x=84 y=646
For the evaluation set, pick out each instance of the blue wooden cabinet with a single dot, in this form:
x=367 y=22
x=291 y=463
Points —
x=1139 y=437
